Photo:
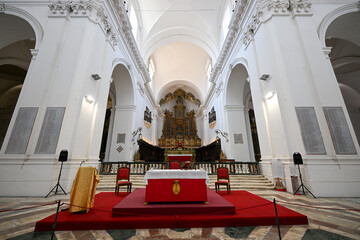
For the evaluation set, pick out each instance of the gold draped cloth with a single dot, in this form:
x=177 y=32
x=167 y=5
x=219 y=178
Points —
x=83 y=189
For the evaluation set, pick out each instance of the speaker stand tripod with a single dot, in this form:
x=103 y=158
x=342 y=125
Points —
x=302 y=185
x=58 y=183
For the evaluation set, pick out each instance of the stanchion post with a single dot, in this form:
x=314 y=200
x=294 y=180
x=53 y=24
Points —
x=54 y=225
x=277 y=219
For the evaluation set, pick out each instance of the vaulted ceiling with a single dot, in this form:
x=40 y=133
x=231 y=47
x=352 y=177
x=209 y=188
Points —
x=182 y=38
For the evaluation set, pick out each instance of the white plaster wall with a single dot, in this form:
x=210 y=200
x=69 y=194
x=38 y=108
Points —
x=288 y=48
x=59 y=75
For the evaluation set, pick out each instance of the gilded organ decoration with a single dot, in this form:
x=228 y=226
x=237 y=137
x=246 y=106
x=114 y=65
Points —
x=181 y=93
x=179 y=126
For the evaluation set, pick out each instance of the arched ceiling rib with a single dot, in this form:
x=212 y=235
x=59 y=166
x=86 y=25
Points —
x=181 y=37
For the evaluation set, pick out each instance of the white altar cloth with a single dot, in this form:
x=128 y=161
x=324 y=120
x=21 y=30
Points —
x=176 y=174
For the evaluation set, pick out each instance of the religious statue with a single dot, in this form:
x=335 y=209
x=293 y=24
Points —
x=179 y=144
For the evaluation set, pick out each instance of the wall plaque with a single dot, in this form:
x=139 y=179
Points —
x=310 y=130
x=120 y=138
x=238 y=138
x=339 y=130
x=21 y=131
x=50 y=130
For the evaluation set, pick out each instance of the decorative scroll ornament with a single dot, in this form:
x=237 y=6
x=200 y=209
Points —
x=2 y=7
x=176 y=187
x=224 y=134
x=135 y=133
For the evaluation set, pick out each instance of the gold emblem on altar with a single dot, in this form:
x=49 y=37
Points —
x=176 y=187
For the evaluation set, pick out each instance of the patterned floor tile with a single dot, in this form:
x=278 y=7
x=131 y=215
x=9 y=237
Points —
x=238 y=232
x=318 y=234
x=122 y=234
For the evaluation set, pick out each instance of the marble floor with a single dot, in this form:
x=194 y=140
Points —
x=324 y=224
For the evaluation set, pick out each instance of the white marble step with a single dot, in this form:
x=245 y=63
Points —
x=107 y=182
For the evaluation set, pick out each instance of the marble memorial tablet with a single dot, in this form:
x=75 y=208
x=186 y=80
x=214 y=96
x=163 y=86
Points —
x=339 y=130
x=21 y=131
x=50 y=130
x=310 y=130
x=238 y=138
x=120 y=138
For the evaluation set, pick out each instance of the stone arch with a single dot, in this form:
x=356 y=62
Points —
x=123 y=82
x=232 y=86
x=233 y=64
x=325 y=23
x=118 y=145
x=345 y=57
x=16 y=55
x=237 y=97
x=34 y=23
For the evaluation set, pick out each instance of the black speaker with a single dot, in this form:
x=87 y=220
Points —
x=297 y=158
x=63 y=155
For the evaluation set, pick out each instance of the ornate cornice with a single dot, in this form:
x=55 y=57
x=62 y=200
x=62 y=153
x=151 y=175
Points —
x=141 y=88
x=252 y=26
x=237 y=17
x=85 y=8
x=219 y=88
x=60 y=8
x=300 y=7
x=107 y=26
x=285 y=7
x=279 y=6
x=130 y=40
x=2 y=7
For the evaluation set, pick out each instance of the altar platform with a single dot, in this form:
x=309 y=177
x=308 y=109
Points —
x=133 y=205
x=251 y=210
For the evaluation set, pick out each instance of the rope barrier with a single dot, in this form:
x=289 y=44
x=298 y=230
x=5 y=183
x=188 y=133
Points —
x=253 y=206
x=26 y=208
x=303 y=205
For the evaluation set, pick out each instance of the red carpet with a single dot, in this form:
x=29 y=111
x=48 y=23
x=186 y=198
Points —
x=251 y=210
x=133 y=205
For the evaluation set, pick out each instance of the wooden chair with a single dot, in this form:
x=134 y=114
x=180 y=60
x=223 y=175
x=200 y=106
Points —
x=123 y=179
x=223 y=178
x=187 y=165
x=174 y=165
